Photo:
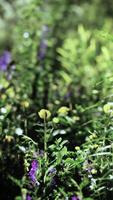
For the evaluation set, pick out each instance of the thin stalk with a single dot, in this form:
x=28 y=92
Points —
x=45 y=156
x=45 y=142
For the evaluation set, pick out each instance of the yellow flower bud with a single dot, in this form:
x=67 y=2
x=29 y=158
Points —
x=57 y=102
x=44 y=114
x=8 y=138
x=56 y=120
x=77 y=148
x=3 y=96
x=11 y=93
x=108 y=108
x=94 y=171
x=25 y=104
x=63 y=110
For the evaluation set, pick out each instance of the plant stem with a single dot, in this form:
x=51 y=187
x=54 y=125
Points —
x=45 y=142
x=45 y=155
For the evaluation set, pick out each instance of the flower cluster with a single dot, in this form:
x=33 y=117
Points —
x=74 y=198
x=28 y=197
x=5 y=60
x=44 y=114
x=33 y=170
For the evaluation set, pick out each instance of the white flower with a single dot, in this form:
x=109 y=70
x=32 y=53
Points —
x=22 y=149
x=93 y=184
x=19 y=131
x=62 y=132
x=26 y=35
x=3 y=110
x=1 y=117
x=111 y=177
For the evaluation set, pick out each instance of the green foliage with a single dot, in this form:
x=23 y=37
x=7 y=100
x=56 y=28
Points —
x=62 y=64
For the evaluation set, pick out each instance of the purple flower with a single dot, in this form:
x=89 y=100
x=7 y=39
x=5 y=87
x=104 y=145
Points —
x=34 y=164
x=74 y=198
x=5 y=59
x=32 y=172
x=52 y=171
x=28 y=197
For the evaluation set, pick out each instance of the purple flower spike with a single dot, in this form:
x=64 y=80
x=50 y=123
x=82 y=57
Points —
x=5 y=59
x=28 y=197
x=43 y=43
x=34 y=164
x=32 y=172
x=42 y=50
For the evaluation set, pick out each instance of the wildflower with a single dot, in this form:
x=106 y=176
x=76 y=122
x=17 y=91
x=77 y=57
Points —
x=61 y=132
x=8 y=138
x=94 y=171
x=108 y=108
x=44 y=114
x=56 y=120
x=3 y=110
x=76 y=118
x=63 y=110
x=19 y=131
x=111 y=177
x=33 y=170
x=93 y=184
x=22 y=148
x=57 y=102
x=25 y=104
x=74 y=198
x=3 y=96
x=77 y=148
x=26 y=35
x=5 y=59
x=28 y=197
x=52 y=171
